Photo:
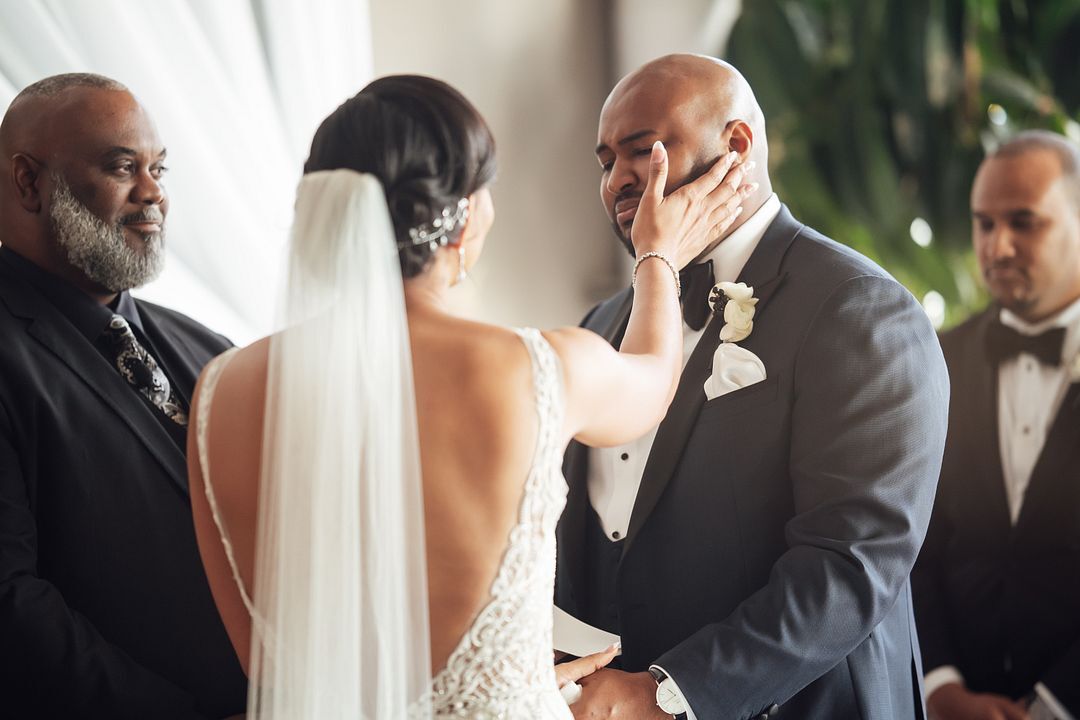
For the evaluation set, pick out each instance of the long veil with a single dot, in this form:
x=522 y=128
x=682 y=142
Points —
x=340 y=627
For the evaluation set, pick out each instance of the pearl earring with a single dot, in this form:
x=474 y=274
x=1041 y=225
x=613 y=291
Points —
x=461 y=273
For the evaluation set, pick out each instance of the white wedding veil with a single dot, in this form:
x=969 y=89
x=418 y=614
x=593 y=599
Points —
x=340 y=628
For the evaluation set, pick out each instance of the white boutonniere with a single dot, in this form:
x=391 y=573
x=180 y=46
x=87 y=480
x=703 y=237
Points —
x=737 y=301
x=734 y=367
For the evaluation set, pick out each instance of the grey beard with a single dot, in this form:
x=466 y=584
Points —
x=100 y=250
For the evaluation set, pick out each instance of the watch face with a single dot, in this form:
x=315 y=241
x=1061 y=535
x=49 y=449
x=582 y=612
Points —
x=668 y=700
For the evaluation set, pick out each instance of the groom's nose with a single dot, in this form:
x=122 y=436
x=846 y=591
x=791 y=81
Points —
x=622 y=178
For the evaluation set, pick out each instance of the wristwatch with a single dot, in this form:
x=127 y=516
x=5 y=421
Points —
x=668 y=698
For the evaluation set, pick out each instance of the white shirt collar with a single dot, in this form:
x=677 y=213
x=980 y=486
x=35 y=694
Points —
x=729 y=257
x=1068 y=318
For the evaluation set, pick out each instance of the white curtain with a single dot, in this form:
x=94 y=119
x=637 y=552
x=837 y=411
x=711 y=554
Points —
x=237 y=88
x=644 y=29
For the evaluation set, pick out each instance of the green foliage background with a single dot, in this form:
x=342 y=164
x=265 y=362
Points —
x=879 y=111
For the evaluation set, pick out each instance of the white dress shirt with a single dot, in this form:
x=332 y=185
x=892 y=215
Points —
x=615 y=472
x=1029 y=397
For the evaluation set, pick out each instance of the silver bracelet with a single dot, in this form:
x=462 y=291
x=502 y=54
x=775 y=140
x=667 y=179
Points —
x=667 y=261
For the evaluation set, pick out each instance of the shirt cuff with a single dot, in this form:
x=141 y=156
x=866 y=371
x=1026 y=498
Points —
x=1051 y=702
x=678 y=693
x=940 y=676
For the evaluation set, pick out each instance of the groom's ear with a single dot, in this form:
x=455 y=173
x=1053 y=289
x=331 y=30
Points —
x=740 y=138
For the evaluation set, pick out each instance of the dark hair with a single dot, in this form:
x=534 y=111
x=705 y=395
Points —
x=427 y=145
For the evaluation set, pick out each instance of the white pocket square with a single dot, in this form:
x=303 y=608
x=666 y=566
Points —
x=734 y=367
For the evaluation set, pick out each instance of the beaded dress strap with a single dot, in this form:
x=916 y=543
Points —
x=202 y=429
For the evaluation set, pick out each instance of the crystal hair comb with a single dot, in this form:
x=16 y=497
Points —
x=437 y=234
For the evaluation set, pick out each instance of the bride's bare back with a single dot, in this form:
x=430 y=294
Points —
x=476 y=413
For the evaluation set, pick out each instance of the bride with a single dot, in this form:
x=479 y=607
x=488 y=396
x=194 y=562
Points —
x=375 y=487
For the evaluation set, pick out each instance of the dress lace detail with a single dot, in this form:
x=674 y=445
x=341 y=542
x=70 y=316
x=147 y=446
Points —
x=502 y=666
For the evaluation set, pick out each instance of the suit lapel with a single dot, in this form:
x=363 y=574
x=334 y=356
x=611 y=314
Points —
x=50 y=329
x=762 y=272
x=987 y=442
x=1056 y=464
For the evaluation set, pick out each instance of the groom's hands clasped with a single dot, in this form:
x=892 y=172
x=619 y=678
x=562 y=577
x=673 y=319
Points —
x=616 y=695
x=691 y=219
x=608 y=693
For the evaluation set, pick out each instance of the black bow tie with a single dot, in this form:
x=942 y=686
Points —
x=697 y=281
x=1003 y=343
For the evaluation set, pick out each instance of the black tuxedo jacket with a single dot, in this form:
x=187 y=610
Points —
x=1002 y=602
x=769 y=548
x=104 y=608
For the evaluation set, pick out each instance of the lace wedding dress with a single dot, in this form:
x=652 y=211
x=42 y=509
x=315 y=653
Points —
x=502 y=666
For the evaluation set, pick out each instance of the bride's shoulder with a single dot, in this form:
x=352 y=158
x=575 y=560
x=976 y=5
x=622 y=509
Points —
x=477 y=352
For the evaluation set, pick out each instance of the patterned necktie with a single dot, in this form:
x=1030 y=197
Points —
x=697 y=281
x=1003 y=343
x=140 y=369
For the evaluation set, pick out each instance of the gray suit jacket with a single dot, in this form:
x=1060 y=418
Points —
x=767 y=558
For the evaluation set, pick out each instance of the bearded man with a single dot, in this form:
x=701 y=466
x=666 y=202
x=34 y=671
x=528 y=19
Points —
x=104 y=608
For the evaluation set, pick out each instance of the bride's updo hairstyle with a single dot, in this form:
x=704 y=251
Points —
x=427 y=145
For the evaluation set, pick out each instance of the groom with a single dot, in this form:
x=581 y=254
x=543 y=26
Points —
x=754 y=552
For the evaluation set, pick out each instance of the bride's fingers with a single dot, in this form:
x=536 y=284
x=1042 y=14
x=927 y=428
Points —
x=723 y=217
x=574 y=670
x=657 y=181
x=722 y=223
x=729 y=208
x=733 y=182
x=713 y=178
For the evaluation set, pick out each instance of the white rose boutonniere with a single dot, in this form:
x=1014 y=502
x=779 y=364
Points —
x=738 y=302
x=733 y=367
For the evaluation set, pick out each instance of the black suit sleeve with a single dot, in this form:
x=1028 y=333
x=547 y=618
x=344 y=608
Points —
x=53 y=662
x=868 y=417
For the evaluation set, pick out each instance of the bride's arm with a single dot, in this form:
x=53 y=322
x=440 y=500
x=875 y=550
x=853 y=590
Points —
x=614 y=396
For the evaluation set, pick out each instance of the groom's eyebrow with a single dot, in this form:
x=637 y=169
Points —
x=628 y=139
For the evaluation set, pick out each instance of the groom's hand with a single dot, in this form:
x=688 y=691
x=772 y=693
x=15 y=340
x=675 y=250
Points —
x=955 y=702
x=617 y=695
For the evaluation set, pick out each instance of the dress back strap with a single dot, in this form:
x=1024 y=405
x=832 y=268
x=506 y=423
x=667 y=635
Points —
x=202 y=430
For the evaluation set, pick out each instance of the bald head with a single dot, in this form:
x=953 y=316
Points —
x=34 y=101
x=80 y=171
x=701 y=108
x=714 y=89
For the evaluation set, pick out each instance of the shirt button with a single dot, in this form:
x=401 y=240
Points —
x=1027 y=429
x=616 y=535
x=625 y=456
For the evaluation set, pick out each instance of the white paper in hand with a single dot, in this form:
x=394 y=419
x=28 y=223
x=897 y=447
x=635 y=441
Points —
x=570 y=635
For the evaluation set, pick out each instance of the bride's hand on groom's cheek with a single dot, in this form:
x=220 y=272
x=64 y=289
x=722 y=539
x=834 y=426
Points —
x=619 y=696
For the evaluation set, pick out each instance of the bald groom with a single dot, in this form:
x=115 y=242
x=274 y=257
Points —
x=753 y=552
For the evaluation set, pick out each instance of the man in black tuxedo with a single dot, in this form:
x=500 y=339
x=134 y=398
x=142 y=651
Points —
x=104 y=608
x=754 y=555
x=997 y=586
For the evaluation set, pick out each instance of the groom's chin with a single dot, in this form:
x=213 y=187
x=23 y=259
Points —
x=624 y=238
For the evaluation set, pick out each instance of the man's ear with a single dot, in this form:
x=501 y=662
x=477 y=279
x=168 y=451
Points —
x=26 y=174
x=740 y=138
